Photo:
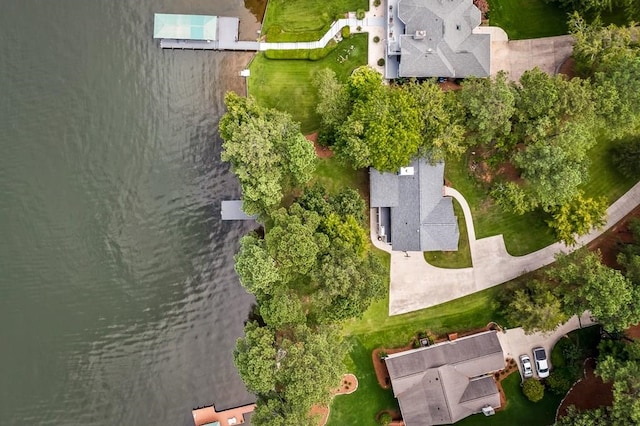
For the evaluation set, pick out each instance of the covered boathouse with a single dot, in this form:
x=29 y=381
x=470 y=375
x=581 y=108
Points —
x=203 y=32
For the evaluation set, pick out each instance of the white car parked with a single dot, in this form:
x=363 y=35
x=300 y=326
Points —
x=525 y=363
x=542 y=366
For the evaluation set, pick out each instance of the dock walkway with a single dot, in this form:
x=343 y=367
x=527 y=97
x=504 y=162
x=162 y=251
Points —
x=228 y=37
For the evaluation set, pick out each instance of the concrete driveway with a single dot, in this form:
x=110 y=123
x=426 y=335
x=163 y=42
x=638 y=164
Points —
x=517 y=56
x=515 y=342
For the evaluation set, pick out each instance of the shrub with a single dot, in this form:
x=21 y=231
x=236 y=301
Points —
x=376 y=3
x=559 y=382
x=346 y=31
x=385 y=419
x=533 y=390
x=360 y=14
x=358 y=28
x=381 y=62
x=376 y=39
x=626 y=155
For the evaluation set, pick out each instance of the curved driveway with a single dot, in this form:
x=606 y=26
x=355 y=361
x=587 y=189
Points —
x=417 y=285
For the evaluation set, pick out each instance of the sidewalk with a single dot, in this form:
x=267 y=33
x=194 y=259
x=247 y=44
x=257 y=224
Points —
x=417 y=285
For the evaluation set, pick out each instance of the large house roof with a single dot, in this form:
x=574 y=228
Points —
x=421 y=218
x=439 y=41
x=447 y=382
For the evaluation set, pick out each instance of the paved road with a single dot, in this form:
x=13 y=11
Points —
x=417 y=285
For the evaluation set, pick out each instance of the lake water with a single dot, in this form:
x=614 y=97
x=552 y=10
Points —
x=118 y=300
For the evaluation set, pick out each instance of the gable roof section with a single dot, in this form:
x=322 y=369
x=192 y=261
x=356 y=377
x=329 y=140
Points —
x=439 y=39
x=444 y=383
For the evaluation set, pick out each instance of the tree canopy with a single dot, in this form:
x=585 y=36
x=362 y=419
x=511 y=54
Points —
x=266 y=151
x=386 y=126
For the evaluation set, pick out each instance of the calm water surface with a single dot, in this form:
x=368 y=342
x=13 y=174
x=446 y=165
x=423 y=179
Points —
x=118 y=300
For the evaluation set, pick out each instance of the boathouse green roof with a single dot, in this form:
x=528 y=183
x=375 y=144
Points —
x=185 y=27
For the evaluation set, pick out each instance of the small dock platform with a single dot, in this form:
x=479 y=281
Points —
x=232 y=210
x=208 y=416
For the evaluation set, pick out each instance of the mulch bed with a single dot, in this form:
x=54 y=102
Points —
x=568 y=68
x=348 y=384
x=589 y=393
x=382 y=374
x=321 y=151
x=609 y=242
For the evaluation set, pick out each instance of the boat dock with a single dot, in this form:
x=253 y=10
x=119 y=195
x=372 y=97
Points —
x=208 y=416
x=206 y=32
x=232 y=210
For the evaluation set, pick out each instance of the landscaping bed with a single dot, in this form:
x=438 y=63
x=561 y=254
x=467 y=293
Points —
x=590 y=392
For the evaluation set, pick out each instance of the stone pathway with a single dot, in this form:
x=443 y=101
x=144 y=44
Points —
x=416 y=285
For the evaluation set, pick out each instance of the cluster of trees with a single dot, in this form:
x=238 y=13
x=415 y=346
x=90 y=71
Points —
x=618 y=362
x=631 y=8
x=266 y=151
x=311 y=269
x=385 y=126
x=577 y=283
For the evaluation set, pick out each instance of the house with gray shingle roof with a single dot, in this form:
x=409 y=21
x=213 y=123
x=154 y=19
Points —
x=412 y=213
x=446 y=382
x=435 y=38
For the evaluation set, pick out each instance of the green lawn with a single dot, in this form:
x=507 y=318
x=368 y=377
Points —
x=523 y=19
x=605 y=179
x=453 y=259
x=334 y=176
x=305 y=20
x=286 y=84
x=361 y=407
x=519 y=410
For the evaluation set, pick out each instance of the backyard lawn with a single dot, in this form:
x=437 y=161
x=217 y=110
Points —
x=305 y=20
x=523 y=19
x=286 y=84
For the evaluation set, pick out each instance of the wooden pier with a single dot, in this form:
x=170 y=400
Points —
x=208 y=416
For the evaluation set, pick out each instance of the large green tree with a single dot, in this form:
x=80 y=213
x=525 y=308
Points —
x=624 y=371
x=489 y=106
x=266 y=151
x=255 y=358
x=578 y=217
x=535 y=308
x=586 y=284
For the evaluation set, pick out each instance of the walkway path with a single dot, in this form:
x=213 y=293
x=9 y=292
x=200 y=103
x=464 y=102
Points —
x=417 y=285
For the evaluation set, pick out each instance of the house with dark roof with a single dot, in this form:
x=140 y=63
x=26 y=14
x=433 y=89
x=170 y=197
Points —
x=411 y=210
x=446 y=382
x=435 y=38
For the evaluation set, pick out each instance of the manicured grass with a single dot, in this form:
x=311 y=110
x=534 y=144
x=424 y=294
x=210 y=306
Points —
x=605 y=180
x=522 y=233
x=453 y=259
x=287 y=84
x=334 y=176
x=377 y=328
x=523 y=19
x=361 y=407
x=305 y=20
x=519 y=410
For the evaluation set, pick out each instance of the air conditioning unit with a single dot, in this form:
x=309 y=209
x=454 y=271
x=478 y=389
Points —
x=420 y=34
